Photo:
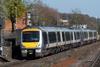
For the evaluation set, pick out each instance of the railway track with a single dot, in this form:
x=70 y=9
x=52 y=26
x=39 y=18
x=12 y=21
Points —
x=38 y=62
x=96 y=61
x=48 y=61
x=3 y=59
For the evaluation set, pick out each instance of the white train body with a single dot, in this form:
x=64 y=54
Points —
x=52 y=37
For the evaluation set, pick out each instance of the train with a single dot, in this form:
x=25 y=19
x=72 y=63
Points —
x=40 y=41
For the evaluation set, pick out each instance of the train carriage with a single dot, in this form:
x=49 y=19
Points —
x=42 y=40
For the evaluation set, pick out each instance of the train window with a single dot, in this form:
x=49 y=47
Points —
x=75 y=35
x=78 y=35
x=30 y=36
x=85 y=34
x=58 y=35
x=90 y=34
x=52 y=37
x=67 y=36
x=63 y=36
x=71 y=36
x=45 y=40
x=95 y=34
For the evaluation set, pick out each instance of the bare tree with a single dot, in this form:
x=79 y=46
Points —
x=43 y=15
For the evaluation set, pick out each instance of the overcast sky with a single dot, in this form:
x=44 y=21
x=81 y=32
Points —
x=90 y=7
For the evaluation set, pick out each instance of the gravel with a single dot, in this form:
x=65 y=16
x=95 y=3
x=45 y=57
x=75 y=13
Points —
x=80 y=55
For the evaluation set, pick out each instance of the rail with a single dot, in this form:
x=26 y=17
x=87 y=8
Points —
x=95 y=60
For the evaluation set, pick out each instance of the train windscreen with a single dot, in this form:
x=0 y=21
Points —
x=30 y=36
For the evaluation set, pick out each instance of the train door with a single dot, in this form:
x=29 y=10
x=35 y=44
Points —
x=44 y=40
x=63 y=38
x=58 y=38
x=82 y=37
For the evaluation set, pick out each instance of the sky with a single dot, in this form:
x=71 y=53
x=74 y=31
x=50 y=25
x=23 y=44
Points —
x=90 y=7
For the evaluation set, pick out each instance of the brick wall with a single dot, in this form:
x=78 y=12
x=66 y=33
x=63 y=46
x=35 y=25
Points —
x=20 y=24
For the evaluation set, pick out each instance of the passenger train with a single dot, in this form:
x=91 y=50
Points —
x=40 y=41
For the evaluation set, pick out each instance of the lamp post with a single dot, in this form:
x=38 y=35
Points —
x=1 y=37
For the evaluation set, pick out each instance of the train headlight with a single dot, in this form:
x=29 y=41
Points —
x=38 y=50
x=24 y=51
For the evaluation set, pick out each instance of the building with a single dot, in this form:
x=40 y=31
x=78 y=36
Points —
x=64 y=19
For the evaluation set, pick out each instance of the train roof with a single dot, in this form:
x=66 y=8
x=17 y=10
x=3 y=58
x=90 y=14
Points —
x=54 y=29
x=49 y=29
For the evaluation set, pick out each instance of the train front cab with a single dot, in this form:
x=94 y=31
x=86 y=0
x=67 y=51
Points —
x=31 y=42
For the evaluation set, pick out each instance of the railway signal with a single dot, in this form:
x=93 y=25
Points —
x=29 y=23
